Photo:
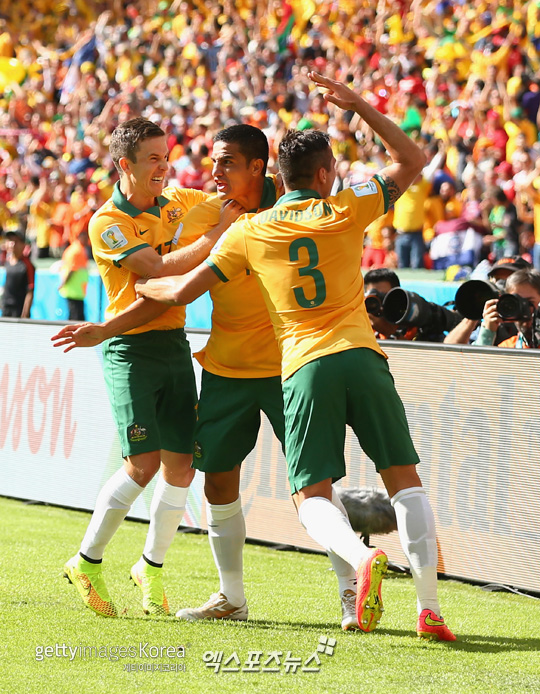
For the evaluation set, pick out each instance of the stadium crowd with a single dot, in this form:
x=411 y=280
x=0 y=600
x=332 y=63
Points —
x=460 y=78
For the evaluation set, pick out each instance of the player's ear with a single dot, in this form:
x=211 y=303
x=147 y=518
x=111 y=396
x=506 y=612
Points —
x=257 y=167
x=124 y=164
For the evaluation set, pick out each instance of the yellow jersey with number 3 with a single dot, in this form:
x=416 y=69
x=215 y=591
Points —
x=305 y=254
x=119 y=229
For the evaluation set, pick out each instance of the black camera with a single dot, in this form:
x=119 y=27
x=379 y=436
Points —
x=409 y=309
x=471 y=297
x=513 y=307
x=374 y=302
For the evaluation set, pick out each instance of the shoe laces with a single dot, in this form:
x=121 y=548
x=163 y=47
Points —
x=348 y=601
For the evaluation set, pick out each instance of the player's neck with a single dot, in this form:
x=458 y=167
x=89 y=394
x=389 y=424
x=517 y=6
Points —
x=141 y=200
x=252 y=201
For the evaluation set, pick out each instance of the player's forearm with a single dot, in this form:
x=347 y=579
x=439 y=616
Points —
x=140 y=312
x=178 y=290
x=399 y=145
x=185 y=259
x=162 y=289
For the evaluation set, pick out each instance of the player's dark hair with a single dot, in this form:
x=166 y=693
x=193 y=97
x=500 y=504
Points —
x=127 y=137
x=382 y=274
x=252 y=142
x=301 y=154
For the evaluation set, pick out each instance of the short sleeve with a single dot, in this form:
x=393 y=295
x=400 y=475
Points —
x=113 y=239
x=229 y=256
x=367 y=201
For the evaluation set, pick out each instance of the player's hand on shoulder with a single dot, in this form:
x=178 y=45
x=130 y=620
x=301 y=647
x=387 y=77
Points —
x=229 y=213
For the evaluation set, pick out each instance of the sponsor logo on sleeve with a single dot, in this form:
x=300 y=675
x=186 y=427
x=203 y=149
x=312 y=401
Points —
x=114 y=238
x=369 y=188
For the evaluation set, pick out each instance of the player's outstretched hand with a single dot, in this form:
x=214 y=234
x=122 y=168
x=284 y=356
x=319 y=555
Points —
x=337 y=93
x=78 y=335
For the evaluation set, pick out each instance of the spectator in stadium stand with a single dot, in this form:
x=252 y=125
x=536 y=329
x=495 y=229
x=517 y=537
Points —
x=526 y=284
x=500 y=217
x=195 y=174
x=76 y=76
x=74 y=275
x=409 y=216
x=20 y=274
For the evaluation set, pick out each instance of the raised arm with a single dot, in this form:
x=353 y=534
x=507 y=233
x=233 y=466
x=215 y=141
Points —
x=407 y=158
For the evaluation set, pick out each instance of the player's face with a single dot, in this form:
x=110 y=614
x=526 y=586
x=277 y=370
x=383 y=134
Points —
x=232 y=173
x=526 y=291
x=149 y=171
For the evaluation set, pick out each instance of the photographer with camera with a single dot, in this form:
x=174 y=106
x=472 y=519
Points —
x=398 y=314
x=520 y=305
x=464 y=332
x=377 y=284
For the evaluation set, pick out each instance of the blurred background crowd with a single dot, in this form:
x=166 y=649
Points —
x=461 y=78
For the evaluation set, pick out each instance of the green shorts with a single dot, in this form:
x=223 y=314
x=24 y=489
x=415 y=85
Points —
x=353 y=387
x=151 y=387
x=229 y=418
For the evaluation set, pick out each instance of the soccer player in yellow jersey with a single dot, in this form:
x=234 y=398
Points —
x=135 y=234
x=305 y=254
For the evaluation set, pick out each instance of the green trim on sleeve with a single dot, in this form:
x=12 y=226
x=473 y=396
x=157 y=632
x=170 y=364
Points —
x=384 y=192
x=121 y=256
x=218 y=272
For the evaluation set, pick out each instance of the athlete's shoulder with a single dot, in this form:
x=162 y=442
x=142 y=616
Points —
x=188 y=197
x=107 y=215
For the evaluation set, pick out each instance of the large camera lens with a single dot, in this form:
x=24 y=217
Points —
x=471 y=297
x=374 y=302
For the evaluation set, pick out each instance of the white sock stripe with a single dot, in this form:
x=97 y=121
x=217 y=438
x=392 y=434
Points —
x=410 y=491
x=169 y=494
x=219 y=512
x=123 y=488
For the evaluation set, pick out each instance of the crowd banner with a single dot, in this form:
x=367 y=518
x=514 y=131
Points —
x=474 y=415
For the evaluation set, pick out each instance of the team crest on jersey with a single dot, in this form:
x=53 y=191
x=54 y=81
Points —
x=114 y=238
x=197 y=450
x=369 y=188
x=174 y=215
x=137 y=433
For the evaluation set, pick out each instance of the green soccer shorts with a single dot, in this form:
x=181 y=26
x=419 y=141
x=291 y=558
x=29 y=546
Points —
x=229 y=418
x=352 y=387
x=151 y=386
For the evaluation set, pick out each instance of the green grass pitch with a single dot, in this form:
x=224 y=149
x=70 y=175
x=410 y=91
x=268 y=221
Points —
x=294 y=610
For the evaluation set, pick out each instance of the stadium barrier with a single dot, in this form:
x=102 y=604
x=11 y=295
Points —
x=474 y=415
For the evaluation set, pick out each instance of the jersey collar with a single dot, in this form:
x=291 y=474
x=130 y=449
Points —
x=300 y=194
x=268 y=197
x=123 y=204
